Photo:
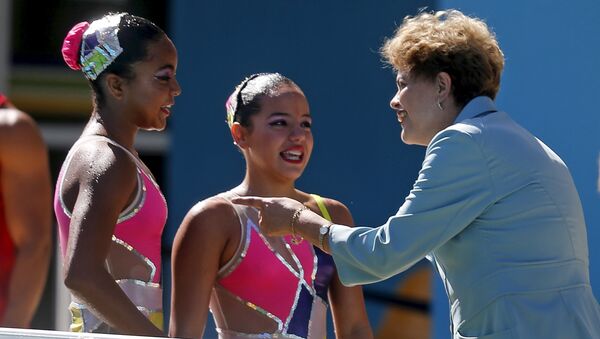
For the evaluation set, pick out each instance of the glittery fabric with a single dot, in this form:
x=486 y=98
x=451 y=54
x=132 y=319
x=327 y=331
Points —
x=146 y=296
x=293 y=295
x=100 y=46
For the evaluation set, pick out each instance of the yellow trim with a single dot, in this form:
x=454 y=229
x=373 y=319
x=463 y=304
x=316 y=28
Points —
x=322 y=206
x=76 y=320
x=77 y=324
x=157 y=319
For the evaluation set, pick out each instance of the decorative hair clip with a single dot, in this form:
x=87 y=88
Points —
x=100 y=45
x=234 y=100
x=93 y=47
x=230 y=106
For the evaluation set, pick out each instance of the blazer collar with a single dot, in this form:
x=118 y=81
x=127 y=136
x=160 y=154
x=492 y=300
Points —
x=476 y=106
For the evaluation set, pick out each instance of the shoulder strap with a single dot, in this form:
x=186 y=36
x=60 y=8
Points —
x=138 y=162
x=322 y=207
x=84 y=139
x=87 y=138
x=244 y=237
x=140 y=183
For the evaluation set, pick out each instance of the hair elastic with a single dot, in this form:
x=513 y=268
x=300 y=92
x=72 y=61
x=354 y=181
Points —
x=72 y=45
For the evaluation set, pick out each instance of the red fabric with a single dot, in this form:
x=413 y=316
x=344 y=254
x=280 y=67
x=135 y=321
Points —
x=3 y=100
x=7 y=257
x=72 y=45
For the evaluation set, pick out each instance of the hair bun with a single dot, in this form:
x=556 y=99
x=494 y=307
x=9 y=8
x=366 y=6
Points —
x=72 y=45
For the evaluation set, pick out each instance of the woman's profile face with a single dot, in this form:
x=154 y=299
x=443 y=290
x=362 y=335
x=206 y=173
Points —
x=416 y=108
x=280 y=140
x=152 y=92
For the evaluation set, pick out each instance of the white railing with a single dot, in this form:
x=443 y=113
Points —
x=39 y=334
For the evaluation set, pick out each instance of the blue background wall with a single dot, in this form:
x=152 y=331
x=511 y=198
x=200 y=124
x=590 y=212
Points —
x=550 y=86
x=331 y=50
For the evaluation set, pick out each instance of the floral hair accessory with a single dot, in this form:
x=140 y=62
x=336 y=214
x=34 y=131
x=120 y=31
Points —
x=100 y=45
x=230 y=107
x=72 y=44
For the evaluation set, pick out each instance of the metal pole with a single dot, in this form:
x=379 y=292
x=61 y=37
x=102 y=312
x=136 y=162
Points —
x=5 y=32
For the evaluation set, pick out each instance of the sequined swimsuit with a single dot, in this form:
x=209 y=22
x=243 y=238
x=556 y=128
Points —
x=138 y=230
x=294 y=296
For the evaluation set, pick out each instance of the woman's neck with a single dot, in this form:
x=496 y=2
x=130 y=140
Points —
x=116 y=129
x=265 y=187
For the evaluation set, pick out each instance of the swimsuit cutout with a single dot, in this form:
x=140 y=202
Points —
x=138 y=230
x=294 y=296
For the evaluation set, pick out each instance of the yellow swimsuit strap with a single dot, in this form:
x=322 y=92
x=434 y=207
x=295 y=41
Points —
x=322 y=207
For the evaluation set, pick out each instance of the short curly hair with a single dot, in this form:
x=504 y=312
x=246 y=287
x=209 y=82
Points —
x=451 y=42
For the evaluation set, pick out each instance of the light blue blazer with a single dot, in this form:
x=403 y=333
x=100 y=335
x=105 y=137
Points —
x=497 y=213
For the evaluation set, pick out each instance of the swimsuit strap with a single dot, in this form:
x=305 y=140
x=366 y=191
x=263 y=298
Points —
x=240 y=251
x=322 y=207
x=87 y=138
x=140 y=183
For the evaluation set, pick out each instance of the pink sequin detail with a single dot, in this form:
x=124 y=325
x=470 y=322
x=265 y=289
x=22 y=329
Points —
x=72 y=45
x=262 y=280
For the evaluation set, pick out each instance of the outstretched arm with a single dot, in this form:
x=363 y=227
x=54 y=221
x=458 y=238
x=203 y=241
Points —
x=25 y=182
x=347 y=303
x=453 y=188
x=276 y=216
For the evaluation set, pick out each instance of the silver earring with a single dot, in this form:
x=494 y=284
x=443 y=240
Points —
x=440 y=106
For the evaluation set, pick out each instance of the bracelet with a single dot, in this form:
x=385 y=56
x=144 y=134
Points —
x=297 y=239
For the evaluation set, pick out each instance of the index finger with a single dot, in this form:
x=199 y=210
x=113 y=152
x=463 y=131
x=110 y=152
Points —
x=249 y=201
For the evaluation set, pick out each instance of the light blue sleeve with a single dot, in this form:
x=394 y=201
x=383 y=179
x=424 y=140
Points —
x=453 y=188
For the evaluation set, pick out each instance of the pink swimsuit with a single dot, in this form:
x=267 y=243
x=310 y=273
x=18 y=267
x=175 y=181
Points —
x=138 y=229
x=294 y=296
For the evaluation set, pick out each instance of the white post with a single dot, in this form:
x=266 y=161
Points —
x=61 y=296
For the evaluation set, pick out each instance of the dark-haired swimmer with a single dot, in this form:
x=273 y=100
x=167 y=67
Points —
x=257 y=285
x=110 y=210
